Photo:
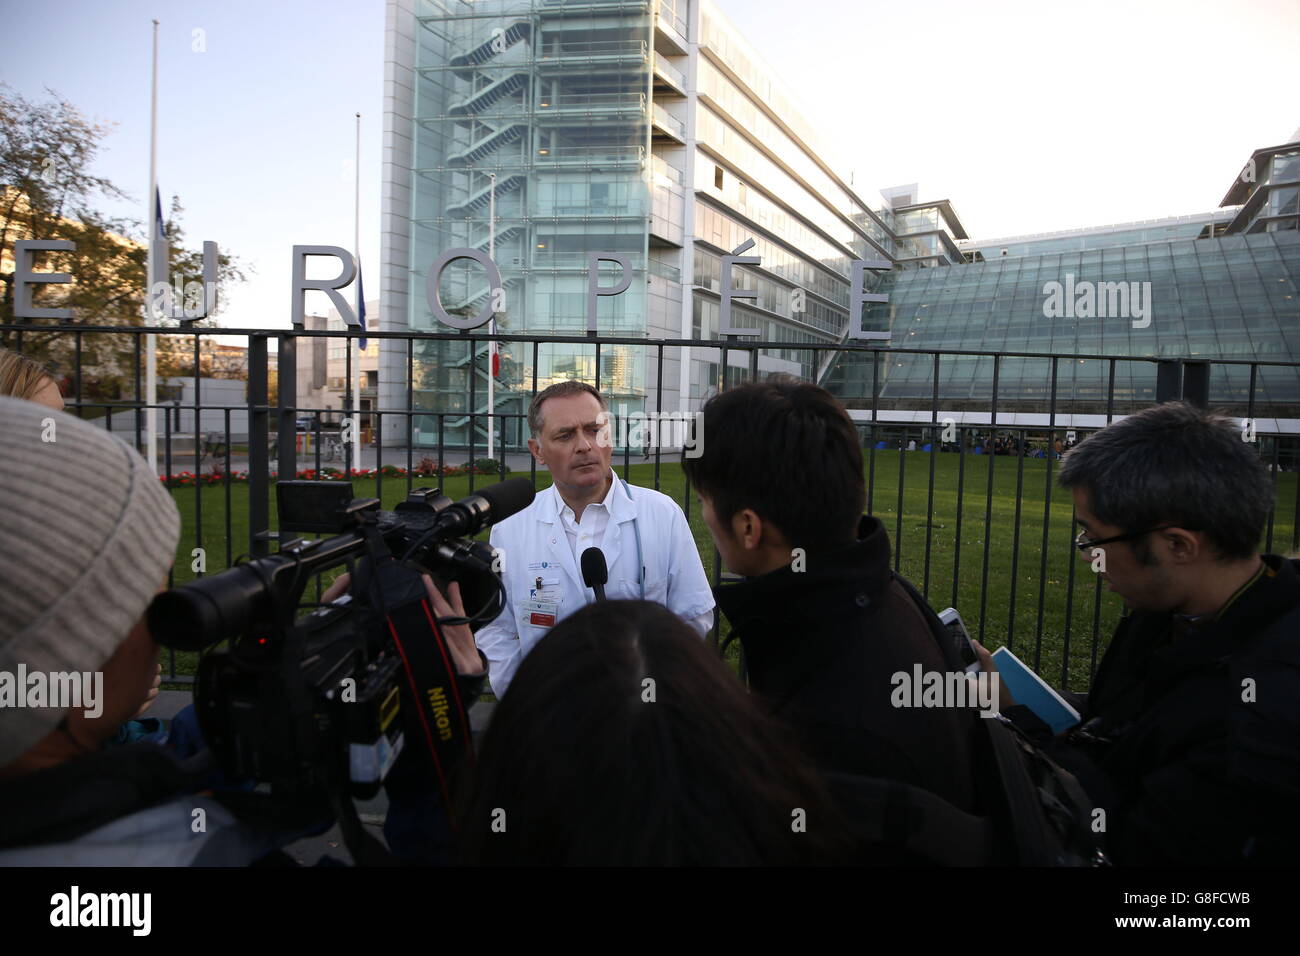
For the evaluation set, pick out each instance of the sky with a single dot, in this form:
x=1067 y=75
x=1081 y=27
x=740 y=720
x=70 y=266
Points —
x=1030 y=116
x=256 y=134
x=1039 y=115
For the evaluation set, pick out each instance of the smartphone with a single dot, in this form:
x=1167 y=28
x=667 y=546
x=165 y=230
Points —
x=961 y=639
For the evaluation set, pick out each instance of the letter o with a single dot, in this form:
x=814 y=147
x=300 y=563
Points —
x=435 y=275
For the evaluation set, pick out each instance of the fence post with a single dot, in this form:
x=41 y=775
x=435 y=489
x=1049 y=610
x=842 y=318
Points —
x=1196 y=384
x=259 y=524
x=286 y=399
x=1169 y=381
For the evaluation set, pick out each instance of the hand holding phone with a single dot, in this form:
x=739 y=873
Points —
x=961 y=639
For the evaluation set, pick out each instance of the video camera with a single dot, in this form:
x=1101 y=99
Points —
x=308 y=709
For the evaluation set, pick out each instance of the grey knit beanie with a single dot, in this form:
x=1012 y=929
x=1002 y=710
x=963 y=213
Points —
x=87 y=534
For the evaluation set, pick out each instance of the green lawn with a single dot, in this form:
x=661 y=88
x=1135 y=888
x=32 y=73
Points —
x=1066 y=586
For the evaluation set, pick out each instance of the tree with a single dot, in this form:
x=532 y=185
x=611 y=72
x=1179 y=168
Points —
x=48 y=193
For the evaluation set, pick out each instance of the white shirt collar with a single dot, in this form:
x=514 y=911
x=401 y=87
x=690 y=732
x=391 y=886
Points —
x=562 y=509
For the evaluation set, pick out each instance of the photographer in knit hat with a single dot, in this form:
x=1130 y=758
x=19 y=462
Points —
x=87 y=535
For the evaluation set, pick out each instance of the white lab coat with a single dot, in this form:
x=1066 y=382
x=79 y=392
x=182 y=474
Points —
x=535 y=546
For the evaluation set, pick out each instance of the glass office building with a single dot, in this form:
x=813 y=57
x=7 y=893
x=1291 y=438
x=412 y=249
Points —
x=1232 y=297
x=1220 y=285
x=529 y=125
x=546 y=130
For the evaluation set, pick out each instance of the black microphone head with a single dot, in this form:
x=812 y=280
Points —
x=486 y=506
x=508 y=497
x=593 y=568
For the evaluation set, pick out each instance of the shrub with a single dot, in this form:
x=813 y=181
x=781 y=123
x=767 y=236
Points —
x=487 y=466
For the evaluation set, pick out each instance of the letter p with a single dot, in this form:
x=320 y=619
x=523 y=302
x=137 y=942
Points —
x=595 y=289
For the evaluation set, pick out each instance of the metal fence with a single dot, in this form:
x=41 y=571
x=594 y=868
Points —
x=965 y=490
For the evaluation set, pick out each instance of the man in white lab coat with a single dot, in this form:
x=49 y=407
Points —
x=643 y=534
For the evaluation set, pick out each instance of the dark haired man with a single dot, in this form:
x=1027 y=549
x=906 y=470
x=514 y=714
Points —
x=824 y=625
x=1190 y=738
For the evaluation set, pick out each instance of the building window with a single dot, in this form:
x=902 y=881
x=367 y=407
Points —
x=717 y=177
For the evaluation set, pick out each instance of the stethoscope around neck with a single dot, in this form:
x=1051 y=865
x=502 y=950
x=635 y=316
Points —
x=636 y=530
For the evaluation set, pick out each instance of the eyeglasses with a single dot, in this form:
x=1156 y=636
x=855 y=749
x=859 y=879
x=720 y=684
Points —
x=1084 y=544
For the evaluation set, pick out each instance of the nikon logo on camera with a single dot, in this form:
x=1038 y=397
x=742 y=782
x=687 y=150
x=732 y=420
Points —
x=438 y=702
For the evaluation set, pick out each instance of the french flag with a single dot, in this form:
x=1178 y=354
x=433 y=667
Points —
x=159 y=232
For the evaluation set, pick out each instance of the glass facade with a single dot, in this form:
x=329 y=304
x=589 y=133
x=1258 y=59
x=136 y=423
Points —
x=595 y=126
x=553 y=100
x=1233 y=297
x=650 y=128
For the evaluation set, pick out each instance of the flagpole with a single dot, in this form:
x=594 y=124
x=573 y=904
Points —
x=492 y=321
x=151 y=340
x=353 y=350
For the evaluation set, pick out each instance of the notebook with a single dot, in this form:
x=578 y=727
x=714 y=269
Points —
x=1034 y=692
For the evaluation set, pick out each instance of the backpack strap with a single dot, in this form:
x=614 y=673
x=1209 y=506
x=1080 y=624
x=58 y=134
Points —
x=1064 y=806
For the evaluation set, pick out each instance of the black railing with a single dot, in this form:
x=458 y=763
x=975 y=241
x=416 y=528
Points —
x=972 y=512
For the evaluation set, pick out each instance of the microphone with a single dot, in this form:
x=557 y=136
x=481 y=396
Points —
x=494 y=503
x=594 y=572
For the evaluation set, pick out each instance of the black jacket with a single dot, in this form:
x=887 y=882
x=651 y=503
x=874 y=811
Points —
x=822 y=645
x=1191 y=769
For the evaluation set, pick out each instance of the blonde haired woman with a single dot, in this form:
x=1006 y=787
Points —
x=26 y=378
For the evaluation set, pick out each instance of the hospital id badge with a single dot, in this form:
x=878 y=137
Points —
x=541 y=613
